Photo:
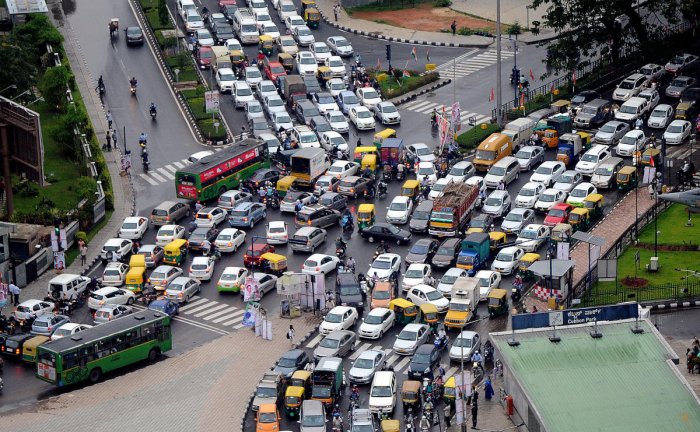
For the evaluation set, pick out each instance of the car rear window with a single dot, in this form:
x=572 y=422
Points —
x=41 y=324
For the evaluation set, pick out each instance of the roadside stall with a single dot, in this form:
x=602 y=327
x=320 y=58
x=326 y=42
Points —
x=559 y=272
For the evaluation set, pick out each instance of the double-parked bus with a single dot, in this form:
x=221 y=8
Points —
x=213 y=175
x=89 y=354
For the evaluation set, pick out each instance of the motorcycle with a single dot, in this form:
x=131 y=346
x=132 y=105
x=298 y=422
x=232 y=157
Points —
x=370 y=193
x=101 y=90
x=273 y=203
x=488 y=352
x=146 y=165
x=382 y=189
x=132 y=89
x=441 y=342
x=340 y=253
x=387 y=176
x=154 y=113
x=400 y=175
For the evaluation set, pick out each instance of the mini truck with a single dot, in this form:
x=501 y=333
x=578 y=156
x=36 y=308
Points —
x=463 y=302
x=452 y=210
x=571 y=146
x=270 y=390
x=309 y=164
x=327 y=380
x=476 y=251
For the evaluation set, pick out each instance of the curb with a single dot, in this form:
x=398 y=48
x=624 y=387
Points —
x=672 y=305
x=421 y=91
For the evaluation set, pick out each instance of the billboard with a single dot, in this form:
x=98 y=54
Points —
x=575 y=316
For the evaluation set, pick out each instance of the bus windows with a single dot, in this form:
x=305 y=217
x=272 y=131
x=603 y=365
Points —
x=187 y=180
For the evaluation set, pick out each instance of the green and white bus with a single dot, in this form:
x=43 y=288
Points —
x=89 y=354
x=213 y=175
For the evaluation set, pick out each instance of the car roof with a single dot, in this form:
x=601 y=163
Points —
x=106 y=290
x=418 y=265
x=371 y=353
x=340 y=309
x=200 y=258
x=425 y=348
x=114 y=241
x=467 y=334
x=414 y=326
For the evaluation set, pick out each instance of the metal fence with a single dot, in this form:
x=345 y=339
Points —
x=683 y=291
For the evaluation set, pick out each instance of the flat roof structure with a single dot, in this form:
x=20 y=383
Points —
x=619 y=382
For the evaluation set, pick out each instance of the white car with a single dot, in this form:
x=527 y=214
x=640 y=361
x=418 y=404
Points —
x=677 y=132
x=425 y=294
x=448 y=280
x=340 y=46
x=516 y=219
x=303 y=36
x=320 y=51
x=232 y=279
x=110 y=296
x=337 y=120
x=633 y=141
x=417 y=274
x=660 y=117
x=229 y=240
x=242 y=94
x=368 y=97
x=281 y=120
x=286 y=44
x=233 y=45
x=478 y=182
x=307 y=137
x=382 y=394
x=210 y=217
x=114 y=274
x=399 y=210
x=529 y=195
x=338 y=318
x=387 y=113
x=33 y=308
x=362 y=118
x=579 y=193
x=325 y=102
x=231 y=198
x=306 y=63
x=438 y=187
x=421 y=152
x=342 y=168
x=252 y=75
x=262 y=18
x=292 y=21
x=276 y=233
x=163 y=275
x=69 y=329
x=549 y=199
x=568 y=181
x=320 y=264
x=193 y=21
x=182 y=289
x=426 y=170
x=168 y=233
x=254 y=110
x=266 y=88
x=488 y=280
x=506 y=262
x=460 y=171
x=202 y=268
x=133 y=228
x=274 y=104
x=410 y=338
x=532 y=237
x=196 y=157
x=336 y=65
x=630 y=87
x=378 y=321
x=225 y=79
x=548 y=172
x=497 y=204
x=286 y=8
x=335 y=86
x=269 y=29
x=384 y=266
x=115 y=245
x=257 y=6
x=331 y=140
x=652 y=71
x=204 y=37
x=652 y=97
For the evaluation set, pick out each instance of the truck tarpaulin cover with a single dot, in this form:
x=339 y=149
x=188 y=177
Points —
x=576 y=316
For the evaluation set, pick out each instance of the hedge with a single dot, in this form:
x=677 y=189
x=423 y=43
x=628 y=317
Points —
x=471 y=138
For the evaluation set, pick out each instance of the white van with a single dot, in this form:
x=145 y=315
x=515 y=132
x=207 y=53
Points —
x=67 y=286
x=505 y=170
x=633 y=109
x=592 y=158
x=185 y=5
x=246 y=27
x=519 y=131
x=382 y=395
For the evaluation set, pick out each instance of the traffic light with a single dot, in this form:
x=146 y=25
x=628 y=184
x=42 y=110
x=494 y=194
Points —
x=515 y=76
x=388 y=52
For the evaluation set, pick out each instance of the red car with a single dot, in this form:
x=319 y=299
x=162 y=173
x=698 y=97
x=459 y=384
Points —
x=223 y=3
x=252 y=253
x=558 y=214
x=204 y=56
x=273 y=69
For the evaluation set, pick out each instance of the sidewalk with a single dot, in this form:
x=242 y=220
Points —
x=122 y=188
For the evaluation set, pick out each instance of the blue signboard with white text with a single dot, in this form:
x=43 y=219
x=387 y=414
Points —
x=575 y=316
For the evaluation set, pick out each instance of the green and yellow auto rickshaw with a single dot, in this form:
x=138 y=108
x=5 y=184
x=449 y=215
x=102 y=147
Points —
x=410 y=395
x=369 y=161
x=311 y=14
x=429 y=314
x=498 y=240
x=404 y=310
x=293 y=397
x=237 y=58
x=284 y=184
x=175 y=252
x=266 y=45
x=497 y=302
x=301 y=378
x=580 y=219
x=360 y=152
x=626 y=178
x=562 y=232
x=365 y=216
x=525 y=263
x=286 y=60
x=411 y=189
x=594 y=204
x=135 y=279
x=450 y=392
x=324 y=73
x=649 y=154
x=379 y=137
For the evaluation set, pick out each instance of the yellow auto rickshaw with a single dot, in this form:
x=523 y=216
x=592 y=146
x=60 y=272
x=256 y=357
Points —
x=293 y=397
x=324 y=73
x=307 y=3
x=273 y=263
x=580 y=219
x=410 y=395
x=391 y=425
x=365 y=215
x=369 y=161
x=497 y=302
x=649 y=154
x=237 y=58
x=29 y=349
x=286 y=60
x=284 y=184
x=301 y=378
x=525 y=263
x=428 y=314
x=411 y=189
x=266 y=45
x=360 y=152
x=684 y=110
x=594 y=204
x=404 y=310
x=175 y=252
x=626 y=178
x=560 y=106
x=137 y=260
x=498 y=240
x=562 y=232
x=450 y=392
x=379 y=137
x=135 y=279
x=311 y=14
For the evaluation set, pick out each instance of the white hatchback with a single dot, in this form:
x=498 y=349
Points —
x=114 y=274
x=529 y=195
x=320 y=264
x=133 y=228
x=110 y=296
x=168 y=233
x=276 y=233
x=338 y=318
x=424 y=294
x=378 y=321
x=229 y=240
x=202 y=268
x=507 y=260
x=399 y=210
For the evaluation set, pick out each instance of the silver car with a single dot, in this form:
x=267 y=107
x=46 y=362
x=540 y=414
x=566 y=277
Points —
x=111 y=312
x=364 y=367
x=411 y=337
x=336 y=344
x=182 y=289
x=611 y=132
x=307 y=239
x=516 y=219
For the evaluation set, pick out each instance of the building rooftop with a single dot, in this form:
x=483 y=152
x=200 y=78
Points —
x=619 y=382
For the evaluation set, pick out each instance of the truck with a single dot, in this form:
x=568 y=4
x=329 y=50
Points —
x=309 y=164
x=327 y=381
x=551 y=129
x=452 y=210
x=270 y=390
x=519 y=131
x=571 y=146
x=476 y=250
x=463 y=302
x=292 y=85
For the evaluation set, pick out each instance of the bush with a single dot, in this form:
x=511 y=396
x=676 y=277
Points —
x=209 y=131
x=53 y=86
x=163 y=12
x=62 y=132
x=465 y=31
x=471 y=138
x=81 y=235
x=442 y=3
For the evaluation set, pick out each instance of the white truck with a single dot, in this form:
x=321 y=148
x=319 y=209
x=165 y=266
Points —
x=309 y=164
x=463 y=302
x=245 y=26
x=519 y=131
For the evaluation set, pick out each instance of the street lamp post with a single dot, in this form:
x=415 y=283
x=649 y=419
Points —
x=499 y=101
x=11 y=86
x=461 y=394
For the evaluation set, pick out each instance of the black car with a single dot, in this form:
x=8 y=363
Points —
x=13 y=345
x=292 y=361
x=134 y=36
x=196 y=240
x=481 y=221
x=580 y=99
x=421 y=251
x=319 y=124
x=222 y=31
x=386 y=232
x=229 y=11
x=348 y=292
x=425 y=359
x=264 y=175
x=447 y=252
x=312 y=85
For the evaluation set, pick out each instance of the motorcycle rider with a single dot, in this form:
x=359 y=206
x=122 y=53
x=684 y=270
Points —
x=355 y=393
x=382 y=188
x=478 y=359
x=400 y=167
x=133 y=83
x=340 y=243
x=152 y=108
x=424 y=424
x=143 y=139
x=433 y=117
x=350 y=264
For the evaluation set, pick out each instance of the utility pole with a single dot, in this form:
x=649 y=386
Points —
x=499 y=101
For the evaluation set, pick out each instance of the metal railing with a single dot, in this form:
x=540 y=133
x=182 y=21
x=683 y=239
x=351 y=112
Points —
x=671 y=291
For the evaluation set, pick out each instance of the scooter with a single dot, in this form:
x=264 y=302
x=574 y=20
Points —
x=154 y=113
x=387 y=175
x=132 y=88
x=382 y=187
x=340 y=253
x=146 y=165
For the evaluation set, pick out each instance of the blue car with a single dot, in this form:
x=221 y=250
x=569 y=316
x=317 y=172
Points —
x=246 y=215
x=347 y=100
x=166 y=306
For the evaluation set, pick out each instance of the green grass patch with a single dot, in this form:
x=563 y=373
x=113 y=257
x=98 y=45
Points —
x=210 y=131
x=672 y=229
x=154 y=20
x=149 y=4
x=388 y=5
x=471 y=138
x=183 y=62
x=392 y=87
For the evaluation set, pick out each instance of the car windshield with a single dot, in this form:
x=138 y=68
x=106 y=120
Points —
x=421 y=215
x=381 y=264
x=579 y=192
x=178 y=286
x=627 y=85
x=388 y=108
x=455 y=171
x=463 y=342
x=604 y=170
x=321 y=48
x=628 y=109
x=381 y=294
x=265 y=392
x=337 y=140
x=350 y=99
x=548 y=197
x=514 y=217
x=227 y=77
x=363 y=114
x=303 y=31
x=485 y=155
x=446 y=251
x=608 y=128
x=398 y=206
x=628 y=140
x=523 y=154
x=659 y=113
x=254 y=108
x=381 y=391
x=528 y=192
x=334 y=318
x=408 y=335
x=433 y=295
x=590 y=110
x=414 y=274
x=423 y=151
x=528 y=234
x=419 y=249
x=337 y=118
x=341 y=43
x=370 y=94
x=675 y=129
x=111 y=272
x=288 y=42
x=545 y=170
x=589 y=157
x=347 y=290
x=308 y=138
x=498 y=171
x=374 y=319
x=504 y=256
x=678 y=83
x=363 y=363
x=426 y=170
x=244 y=91
x=312 y=421
x=421 y=358
x=558 y=213
x=329 y=343
x=306 y=60
x=229 y=277
x=252 y=73
x=493 y=202
x=448 y=279
x=287 y=362
x=646 y=71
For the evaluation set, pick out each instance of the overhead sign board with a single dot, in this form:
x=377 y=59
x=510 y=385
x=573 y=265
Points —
x=575 y=316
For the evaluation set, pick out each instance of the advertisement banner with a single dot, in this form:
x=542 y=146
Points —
x=575 y=316
x=211 y=102
x=251 y=290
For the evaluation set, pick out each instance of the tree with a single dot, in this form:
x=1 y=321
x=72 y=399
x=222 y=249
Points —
x=515 y=29
x=588 y=28
x=163 y=15
x=17 y=65
x=53 y=85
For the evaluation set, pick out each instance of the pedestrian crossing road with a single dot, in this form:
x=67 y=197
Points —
x=465 y=64
x=156 y=176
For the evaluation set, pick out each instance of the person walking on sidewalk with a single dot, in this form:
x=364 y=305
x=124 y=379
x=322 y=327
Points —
x=448 y=415
x=488 y=388
x=83 y=254
x=109 y=141
x=14 y=290
x=475 y=412
x=336 y=10
x=453 y=26
x=290 y=335
x=109 y=119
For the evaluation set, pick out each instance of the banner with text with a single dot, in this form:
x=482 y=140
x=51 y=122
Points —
x=575 y=316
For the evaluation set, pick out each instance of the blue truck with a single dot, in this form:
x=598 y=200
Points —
x=476 y=251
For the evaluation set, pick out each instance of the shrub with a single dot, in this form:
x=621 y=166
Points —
x=464 y=31
x=471 y=138
x=53 y=85
x=81 y=235
x=442 y=3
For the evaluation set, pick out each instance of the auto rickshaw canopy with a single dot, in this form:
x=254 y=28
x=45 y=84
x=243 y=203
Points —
x=410 y=188
x=137 y=260
x=649 y=154
x=529 y=258
x=276 y=263
x=294 y=391
x=594 y=204
x=410 y=391
x=562 y=232
x=324 y=72
x=498 y=239
x=307 y=3
x=391 y=425
x=366 y=213
x=450 y=390
x=497 y=302
x=237 y=57
x=174 y=251
x=369 y=161
x=579 y=219
x=379 y=137
x=404 y=309
x=286 y=60
x=301 y=378
x=626 y=177
x=359 y=152
x=429 y=313
x=284 y=184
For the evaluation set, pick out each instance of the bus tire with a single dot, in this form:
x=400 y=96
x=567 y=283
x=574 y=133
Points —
x=153 y=354
x=95 y=375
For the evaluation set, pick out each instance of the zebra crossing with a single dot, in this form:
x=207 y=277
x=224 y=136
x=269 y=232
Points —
x=209 y=315
x=680 y=152
x=156 y=176
x=423 y=106
x=465 y=64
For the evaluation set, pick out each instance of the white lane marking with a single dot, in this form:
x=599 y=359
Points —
x=148 y=179
x=360 y=350
x=313 y=342
x=214 y=315
x=201 y=306
x=233 y=321
x=157 y=177
x=400 y=365
x=210 y=310
x=171 y=168
x=228 y=316
x=238 y=326
x=179 y=165
x=193 y=304
x=166 y=173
